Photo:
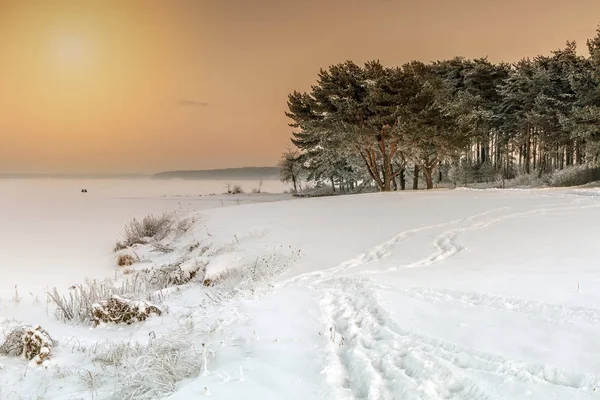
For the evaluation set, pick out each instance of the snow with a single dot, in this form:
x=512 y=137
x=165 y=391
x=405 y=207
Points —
x=446 y=294
x=52 y=234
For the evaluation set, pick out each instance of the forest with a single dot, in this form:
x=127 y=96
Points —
x=459 y=120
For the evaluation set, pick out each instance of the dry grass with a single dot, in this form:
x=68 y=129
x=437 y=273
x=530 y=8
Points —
x=80 y=301
x=119 y=246
x=159 y=247
x=29 y=342
x=174 y=275
x=122 y=311
x=126 y=260
x=151 y=227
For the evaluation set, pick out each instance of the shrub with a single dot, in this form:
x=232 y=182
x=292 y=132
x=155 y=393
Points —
x=119 y=246
x=155 y=227
x=159 y=247
x=237 y=189
x=154 y=371
x=125 y=260
x=78 y=305
x=122 y=311
x=526 y=180
x=29 y=342
x=174 y=275
x=575 y=176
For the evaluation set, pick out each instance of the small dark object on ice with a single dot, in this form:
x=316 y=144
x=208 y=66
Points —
x=83 y=190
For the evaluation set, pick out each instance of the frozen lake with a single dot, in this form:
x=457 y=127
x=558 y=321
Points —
x=49 y=229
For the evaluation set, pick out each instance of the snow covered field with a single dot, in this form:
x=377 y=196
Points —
x=50 y=231
x=464 y=294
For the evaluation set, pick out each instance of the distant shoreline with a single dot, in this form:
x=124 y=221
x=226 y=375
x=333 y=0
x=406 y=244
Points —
x=240 y=174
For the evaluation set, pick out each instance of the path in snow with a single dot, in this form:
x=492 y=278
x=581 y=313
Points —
x=380 y=360
x=375 y=358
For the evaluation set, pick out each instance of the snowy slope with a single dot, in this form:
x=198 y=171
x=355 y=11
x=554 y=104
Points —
x=459 y=294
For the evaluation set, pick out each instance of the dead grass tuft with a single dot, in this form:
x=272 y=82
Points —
x=126 y=260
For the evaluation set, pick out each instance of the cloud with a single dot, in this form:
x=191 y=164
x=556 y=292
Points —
x=192 y=103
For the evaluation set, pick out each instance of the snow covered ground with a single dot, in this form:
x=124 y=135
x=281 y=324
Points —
x=50 y=231
x=463 y=294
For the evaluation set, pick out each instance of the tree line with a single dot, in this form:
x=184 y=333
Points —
x=375 y=124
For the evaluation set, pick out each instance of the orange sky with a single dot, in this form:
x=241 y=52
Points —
x=144 y=86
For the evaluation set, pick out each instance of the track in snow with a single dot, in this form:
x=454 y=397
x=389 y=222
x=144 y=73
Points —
x=551 y=312
x=377 y=359
x=445 y=244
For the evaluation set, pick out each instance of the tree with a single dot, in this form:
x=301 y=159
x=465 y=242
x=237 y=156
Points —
x=433 y=121
x=584 y=120
x=368 y=123
x=290 y=167
x=351 y=109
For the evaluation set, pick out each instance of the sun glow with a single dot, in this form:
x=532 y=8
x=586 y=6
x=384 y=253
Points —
x=71 y=50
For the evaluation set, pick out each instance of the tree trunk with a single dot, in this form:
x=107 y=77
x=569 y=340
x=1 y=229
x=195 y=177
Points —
x=332 y=183
x=428 y=172
x=402 y=180
x=294 y=182
x=387 y=173
x=369 y=159
x=535 y=163
x=528 y=153
x=416 y=178
x=387 y=183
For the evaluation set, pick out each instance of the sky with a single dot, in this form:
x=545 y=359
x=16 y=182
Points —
x=142 y=86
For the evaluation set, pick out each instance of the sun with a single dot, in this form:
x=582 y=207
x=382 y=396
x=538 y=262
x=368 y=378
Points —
x=71 y=50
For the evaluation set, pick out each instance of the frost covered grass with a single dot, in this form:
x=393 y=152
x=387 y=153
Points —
x=123 y=311
x=252 y=274
x=151 y=227
x=78 y=304
x=159 y=368
x=130 y=370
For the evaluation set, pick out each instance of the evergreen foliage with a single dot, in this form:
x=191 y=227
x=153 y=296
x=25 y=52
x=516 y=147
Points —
x=460 y=120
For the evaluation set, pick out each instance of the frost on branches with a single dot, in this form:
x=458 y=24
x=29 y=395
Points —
x=29 y=342
x=176 y=274
x=122 y=311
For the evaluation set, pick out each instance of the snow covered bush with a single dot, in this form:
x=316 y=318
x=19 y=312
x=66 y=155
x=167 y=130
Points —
x=575 y=176
x=526 y=180
x=79 y=303
x=114 y=354
x=247 y=277
x=29 y=342
x=175 y=274
x=151 y=227
x=462 y=173
x=235 y=189
x=122 y=311
x=160 y=366
x=159 y=247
